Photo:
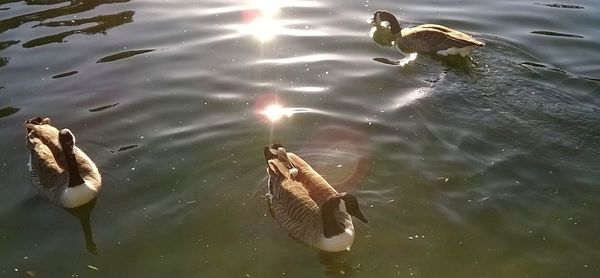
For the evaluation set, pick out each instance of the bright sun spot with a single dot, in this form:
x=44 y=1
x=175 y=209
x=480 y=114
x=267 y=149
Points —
x=269 y=8
x=260 y=19
x=274 y=112
x=264 y=29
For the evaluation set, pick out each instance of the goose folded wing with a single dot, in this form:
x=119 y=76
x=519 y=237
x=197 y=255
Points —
x=318 y=188
x=434 y=39
x=44 y=164
x=46 y=135
x=454 y=35
x=290 y=198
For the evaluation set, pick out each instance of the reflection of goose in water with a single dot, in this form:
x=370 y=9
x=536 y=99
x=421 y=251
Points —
x=61 y=172
x=336 y=264
x=83 y=214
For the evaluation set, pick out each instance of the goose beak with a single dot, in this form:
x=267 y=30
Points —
x=360 y=216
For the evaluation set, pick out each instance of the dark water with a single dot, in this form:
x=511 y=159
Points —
x=479 y=167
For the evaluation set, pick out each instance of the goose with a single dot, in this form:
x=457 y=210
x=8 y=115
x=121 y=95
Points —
x=426 y=38
x=60 y=171
x=306 y=206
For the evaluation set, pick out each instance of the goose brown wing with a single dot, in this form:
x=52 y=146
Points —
x=454 y=34
x=317 y=187
x=47 y=161
x=291 y=204
x=433 y=38
x=436 y=26
x=43 y=134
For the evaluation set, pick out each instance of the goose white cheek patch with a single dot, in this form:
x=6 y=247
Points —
x=294 y=172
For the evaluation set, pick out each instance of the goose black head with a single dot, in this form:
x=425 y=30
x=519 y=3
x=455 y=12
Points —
x=66 y=139
x=349 y=203
x=381 y=16
x=345 y=203
x=35 y=121
x=270 y=152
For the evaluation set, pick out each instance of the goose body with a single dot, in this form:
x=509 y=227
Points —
x=61 y=172
x=426 y=38
x=306 y=206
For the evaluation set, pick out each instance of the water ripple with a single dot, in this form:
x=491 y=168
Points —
x=104 y=107
x=556 y=34
x=7 y=111
x=322 y=57
x=65 y=74
x=562 y=6
x=5 y=44
x=492 y=157
x=104 y=23
x=74 y=7
x=123 y=55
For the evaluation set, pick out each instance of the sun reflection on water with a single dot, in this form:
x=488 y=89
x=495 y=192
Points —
x=274 y=112
x=271 y=108
x=260 y=20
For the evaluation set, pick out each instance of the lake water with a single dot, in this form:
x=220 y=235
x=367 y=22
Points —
x=487 y=166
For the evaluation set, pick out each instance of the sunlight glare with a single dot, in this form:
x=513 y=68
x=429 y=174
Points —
x=275 y=112
x=268 y=8
x=260 y=19
x=411 y=57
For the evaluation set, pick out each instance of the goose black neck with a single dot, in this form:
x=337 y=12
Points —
x=331 y=225
x=74 y=176
x=394 y=25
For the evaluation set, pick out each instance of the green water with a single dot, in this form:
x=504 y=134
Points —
x=478 y=167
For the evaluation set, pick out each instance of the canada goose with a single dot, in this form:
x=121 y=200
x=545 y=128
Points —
x=60 y=171
x=306 y=206
x=426 y=38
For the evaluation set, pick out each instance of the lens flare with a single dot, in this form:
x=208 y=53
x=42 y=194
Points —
x=340 y=153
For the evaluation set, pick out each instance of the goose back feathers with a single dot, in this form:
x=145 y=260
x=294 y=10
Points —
x=306 y=206
x=60 y=171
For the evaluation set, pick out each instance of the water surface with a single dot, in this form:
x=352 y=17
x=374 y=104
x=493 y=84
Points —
x=478 y=167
